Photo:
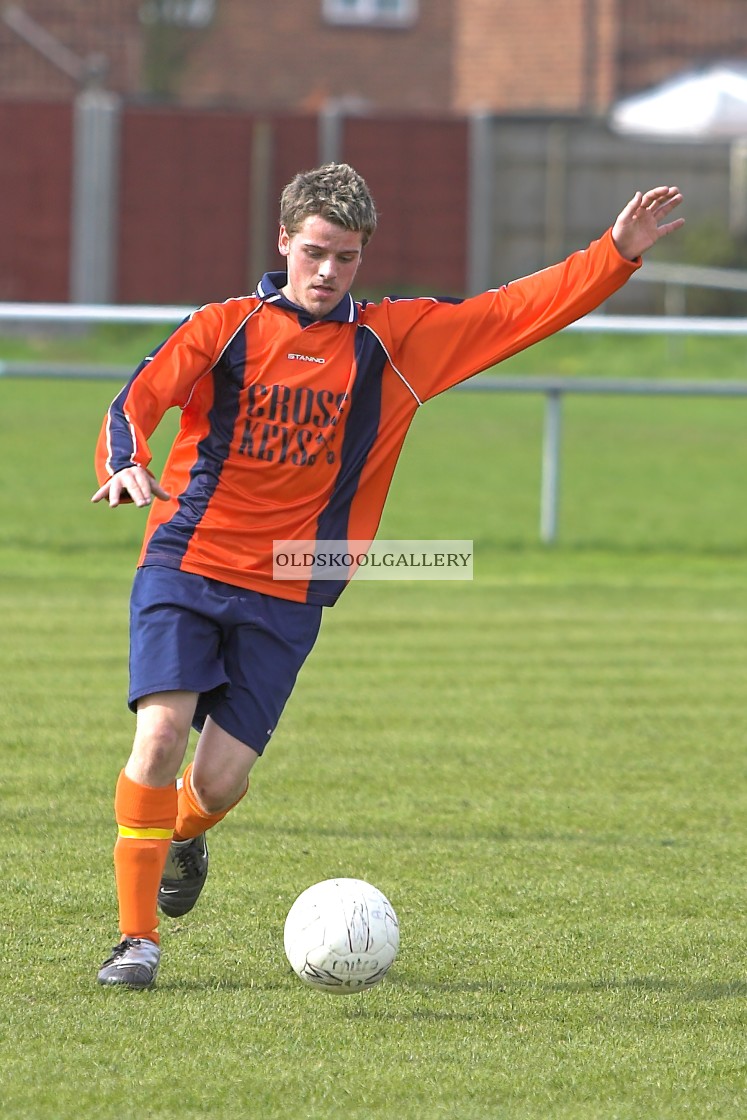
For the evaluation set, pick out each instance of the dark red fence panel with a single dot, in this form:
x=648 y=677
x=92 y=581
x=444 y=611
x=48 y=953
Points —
x=294 y=148
x=35 y=200
x=418 y=172
x=184 y=206
x=198 y=199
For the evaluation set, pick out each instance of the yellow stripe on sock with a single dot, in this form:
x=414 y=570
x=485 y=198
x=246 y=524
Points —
x=145 y=833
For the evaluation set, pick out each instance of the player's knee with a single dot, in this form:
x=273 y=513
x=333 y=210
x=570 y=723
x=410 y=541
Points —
x=216 y=793
x=211 y=796
x=159 y=747
x=163 y=740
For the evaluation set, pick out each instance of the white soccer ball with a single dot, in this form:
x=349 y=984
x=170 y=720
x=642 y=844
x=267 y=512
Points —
x=341 y=936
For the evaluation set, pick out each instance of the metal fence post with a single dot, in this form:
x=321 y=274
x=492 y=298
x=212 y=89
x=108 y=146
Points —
x=260 y=219
x=331 y=126
x=550 y=496
x=480 y=263
x=95 y=224
x=738 y=187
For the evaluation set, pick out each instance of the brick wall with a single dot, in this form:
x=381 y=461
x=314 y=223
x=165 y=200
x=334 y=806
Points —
x=582 y=55
x=502 y=55
x=84 y=27
x=507 y=59
x=657 y=41
x=291 y=59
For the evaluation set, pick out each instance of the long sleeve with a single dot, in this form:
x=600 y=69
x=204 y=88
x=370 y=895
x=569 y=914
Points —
x=436 y=344
x=164 y=380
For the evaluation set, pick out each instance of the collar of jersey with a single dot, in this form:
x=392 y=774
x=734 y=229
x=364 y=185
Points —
x=268 y=290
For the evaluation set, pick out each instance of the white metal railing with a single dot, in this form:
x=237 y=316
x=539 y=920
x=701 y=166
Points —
x=677 y=278
x=693 y=276
x=91 y=313
x=83 y=313
x=554 y=388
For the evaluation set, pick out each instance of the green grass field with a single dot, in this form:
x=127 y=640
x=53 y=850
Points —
x=543 y=769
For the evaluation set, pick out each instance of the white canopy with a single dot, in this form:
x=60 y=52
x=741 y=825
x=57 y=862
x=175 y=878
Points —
x=706 y=105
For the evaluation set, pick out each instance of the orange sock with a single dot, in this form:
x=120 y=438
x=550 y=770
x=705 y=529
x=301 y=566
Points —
x=145 y=816
x=191 y=818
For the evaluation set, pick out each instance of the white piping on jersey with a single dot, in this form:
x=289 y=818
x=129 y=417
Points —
x=400 y=375
x=279 y=295
x=131 y=426
x=150 y=358
x=261 y=293
x=204 y=306
x=240 y=327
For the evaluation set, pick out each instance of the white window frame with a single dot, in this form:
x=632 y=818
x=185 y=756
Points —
x=369 y=13
x=179 y=13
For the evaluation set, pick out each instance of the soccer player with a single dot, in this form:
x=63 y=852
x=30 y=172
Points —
x=295 y=402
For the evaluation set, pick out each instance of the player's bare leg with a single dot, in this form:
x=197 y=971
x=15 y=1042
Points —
x=221 y=766
x=162 y=732
x=146 y=809
x=210 y=787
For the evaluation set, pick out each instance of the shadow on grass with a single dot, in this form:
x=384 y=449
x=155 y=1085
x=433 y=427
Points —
x=502 y=996
x=186 y=985
x=662 y=549
x=695 y=991
x=705 y=990
x=470 y=835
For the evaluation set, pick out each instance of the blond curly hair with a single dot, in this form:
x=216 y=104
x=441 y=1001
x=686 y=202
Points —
x=336 y=192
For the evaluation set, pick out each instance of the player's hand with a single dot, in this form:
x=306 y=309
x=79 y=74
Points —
x=640 y=224
x=133 y=482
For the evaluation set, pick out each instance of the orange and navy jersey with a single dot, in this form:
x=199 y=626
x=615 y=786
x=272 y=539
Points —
x=291 y=428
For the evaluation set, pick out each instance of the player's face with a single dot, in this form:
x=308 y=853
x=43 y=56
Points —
x=322 y=260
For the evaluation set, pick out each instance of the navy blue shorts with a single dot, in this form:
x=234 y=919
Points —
x=239 y=649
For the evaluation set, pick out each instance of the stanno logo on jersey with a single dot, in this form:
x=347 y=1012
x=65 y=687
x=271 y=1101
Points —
x=306 y=358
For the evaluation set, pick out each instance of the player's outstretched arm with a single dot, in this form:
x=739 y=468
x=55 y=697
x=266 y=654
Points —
x=133 y=482
x=641 y=223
